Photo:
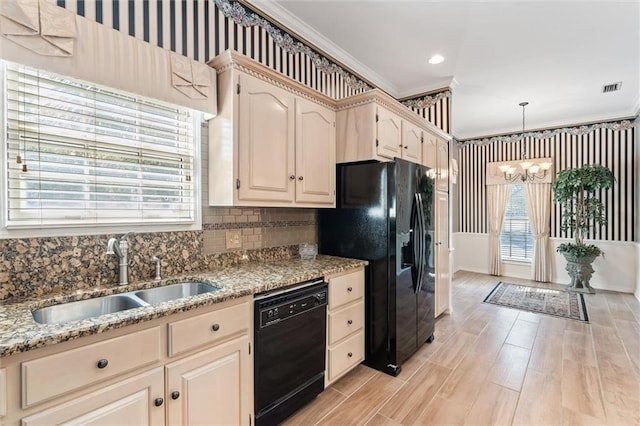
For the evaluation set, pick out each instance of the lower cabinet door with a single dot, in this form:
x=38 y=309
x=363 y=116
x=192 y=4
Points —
x=136 y=401
x=211 y=387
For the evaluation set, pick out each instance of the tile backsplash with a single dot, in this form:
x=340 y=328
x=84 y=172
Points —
x=259 y=227
x=39 y=266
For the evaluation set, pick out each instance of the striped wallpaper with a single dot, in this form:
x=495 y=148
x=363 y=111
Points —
x=200 y=30
x=610 y=148
x=438 y=114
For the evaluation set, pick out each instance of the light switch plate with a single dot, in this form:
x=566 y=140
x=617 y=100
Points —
x=234 y=239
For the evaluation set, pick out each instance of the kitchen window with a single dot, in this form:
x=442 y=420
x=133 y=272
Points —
x=516 y=240
x=80 y=155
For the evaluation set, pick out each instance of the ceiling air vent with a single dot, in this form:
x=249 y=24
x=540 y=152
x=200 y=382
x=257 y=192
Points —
x=613 y=87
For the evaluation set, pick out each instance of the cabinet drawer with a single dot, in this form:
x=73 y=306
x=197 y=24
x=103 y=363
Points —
x=345 y=321
x=54 y=375
x=346 y=355
x=346 y=288
x=192 y=332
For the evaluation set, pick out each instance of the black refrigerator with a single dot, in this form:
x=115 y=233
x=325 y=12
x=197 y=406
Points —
x=384 y=214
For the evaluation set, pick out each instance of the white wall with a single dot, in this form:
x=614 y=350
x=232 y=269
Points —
x=619 y=270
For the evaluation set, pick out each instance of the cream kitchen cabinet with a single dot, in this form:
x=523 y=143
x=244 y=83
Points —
x=345 y=324
x=273 y=140
x=211 y=387
x=134 y=401
x=411 y=142
x=442 y=254
x=388 y=131
x=130 y=375
x=374 y=126
x=435 y=155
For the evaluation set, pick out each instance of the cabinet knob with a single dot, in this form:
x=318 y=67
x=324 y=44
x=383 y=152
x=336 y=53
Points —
x=292 y=177
x=350 y=322
x=350 y=354
x=103 y=363
x=158 y=402
x=406 y=147
x=300 y=178
x=175 y=395
x=215 y=327
x=349 y=289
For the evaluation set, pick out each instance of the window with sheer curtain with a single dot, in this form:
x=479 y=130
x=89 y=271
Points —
x=516 y=240
x=78 y=154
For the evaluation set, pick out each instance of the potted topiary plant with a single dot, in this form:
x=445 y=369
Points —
x=575 y=190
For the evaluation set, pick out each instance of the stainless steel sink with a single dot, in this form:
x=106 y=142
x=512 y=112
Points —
x=95 y=307
x=84 y=309
x=157 y=295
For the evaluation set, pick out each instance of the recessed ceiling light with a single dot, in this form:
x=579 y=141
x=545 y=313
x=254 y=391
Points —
x=436 y=59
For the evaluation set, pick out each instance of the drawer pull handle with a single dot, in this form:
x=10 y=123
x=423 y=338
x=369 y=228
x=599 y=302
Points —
x=215 y=327
x=349 y=322
x=175 y=395
x=158 y=402
x=102 y=363
x=350 y=354
x=349 y=289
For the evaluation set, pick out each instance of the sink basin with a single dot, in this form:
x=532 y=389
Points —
x=157 y=295
x=83 y=309
x=95 y=307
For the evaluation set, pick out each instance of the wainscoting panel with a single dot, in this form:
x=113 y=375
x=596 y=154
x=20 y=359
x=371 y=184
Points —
x=617 y=271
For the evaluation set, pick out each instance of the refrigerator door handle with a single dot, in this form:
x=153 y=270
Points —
x=418 y=237
x=415 y=242
x=420 y=231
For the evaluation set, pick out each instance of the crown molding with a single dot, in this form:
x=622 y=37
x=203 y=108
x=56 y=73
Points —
x=280 y=15
x=434 y=85
x=636 y=105
x=577 y=123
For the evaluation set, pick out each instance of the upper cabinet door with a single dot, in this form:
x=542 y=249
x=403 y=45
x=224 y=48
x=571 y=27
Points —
x=315 y=153
x=411 y=142
x=388 y=137
x=442 y=181
x=265 y=142
x=430 y=151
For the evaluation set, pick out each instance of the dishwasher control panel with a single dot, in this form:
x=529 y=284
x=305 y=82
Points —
x=291 y=303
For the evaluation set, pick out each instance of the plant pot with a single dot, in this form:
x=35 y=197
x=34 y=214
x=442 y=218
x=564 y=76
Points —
x=580 y=271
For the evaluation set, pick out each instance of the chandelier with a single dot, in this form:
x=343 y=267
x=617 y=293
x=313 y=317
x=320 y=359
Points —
x=530 y=171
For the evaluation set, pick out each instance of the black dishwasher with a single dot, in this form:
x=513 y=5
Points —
x=290 y=343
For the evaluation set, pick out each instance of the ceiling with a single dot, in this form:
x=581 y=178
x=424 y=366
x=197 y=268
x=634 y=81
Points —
x=556 y=55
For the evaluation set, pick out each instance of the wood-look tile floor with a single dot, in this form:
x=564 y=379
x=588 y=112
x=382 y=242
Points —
x=494 y=365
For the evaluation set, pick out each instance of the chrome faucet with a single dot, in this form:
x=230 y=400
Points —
x=121 y=250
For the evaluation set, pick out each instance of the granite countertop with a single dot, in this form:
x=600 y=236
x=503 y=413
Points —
x=20 y=333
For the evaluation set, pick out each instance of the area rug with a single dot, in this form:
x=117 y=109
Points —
x=540 y=300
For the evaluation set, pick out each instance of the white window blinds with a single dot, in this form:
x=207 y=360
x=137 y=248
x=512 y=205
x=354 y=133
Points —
x=80 y=154
x=516 y=240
